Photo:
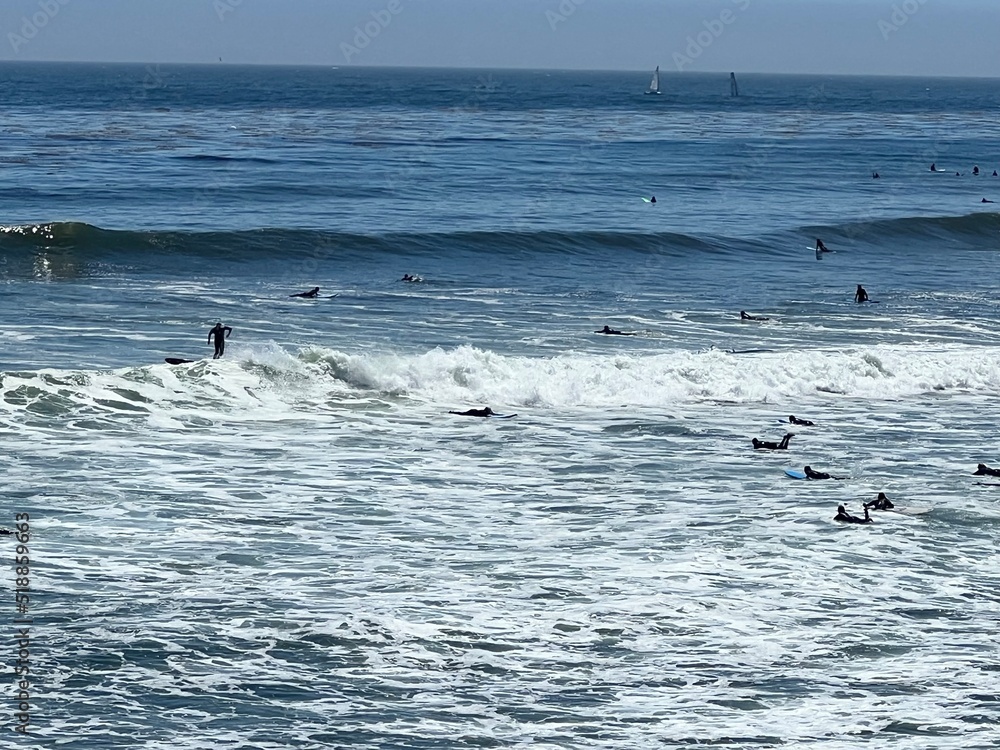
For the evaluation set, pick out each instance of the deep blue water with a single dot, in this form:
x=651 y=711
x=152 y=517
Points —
x=296 y=545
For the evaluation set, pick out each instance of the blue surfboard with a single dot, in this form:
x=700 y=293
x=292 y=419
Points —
x=796 y=474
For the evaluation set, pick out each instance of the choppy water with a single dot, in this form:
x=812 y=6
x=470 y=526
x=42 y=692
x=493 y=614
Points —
x=296 y=545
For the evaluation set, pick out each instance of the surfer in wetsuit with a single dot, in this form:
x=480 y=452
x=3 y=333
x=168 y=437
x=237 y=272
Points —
x=484 y=412
x=744 y=315
x=312 y=293
x=975 y=171
x=845 y=517
x=820 y=247
x=880 y=503
x=772 y=446
x=652 y=199
x=613 y=332
x=810 y=474
x=982 y=470
x=860 y=295
x=220 y=333
x=986 y=201
x=934 y=168
x=804 y=422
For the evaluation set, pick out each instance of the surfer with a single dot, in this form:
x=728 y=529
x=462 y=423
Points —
x=820 y=247
x=845 y=517
x=312 y=293
x=220 y=333
x=804 y=422
x=410 y=277
x=746 y=316
x=810 y=474
x=484 y=412
x=994 y=173
x=652 y=199
x=5 y=532
x=880 y=503
x=985 y=471
x=875 y=176
x=934 y=168
x=860 y=295
x=986 y=201
x=772 y=446
x=613 y=332
x=975 y=171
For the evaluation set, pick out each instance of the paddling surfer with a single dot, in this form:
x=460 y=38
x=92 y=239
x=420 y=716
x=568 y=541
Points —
x=311 y=294
x=613 y=332
x=484 y=412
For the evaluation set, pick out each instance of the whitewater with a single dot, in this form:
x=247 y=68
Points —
x=298 y=546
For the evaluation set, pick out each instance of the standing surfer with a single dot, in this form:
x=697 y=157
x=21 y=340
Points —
x=220 y=333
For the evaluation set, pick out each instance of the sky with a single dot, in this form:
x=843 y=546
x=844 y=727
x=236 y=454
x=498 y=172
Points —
x=876 y=37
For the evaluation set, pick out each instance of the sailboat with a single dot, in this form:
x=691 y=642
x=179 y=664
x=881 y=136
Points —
x=654 y=85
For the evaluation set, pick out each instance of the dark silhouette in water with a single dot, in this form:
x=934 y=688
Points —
x=484 y=412
x=772 y=446
x=220 y=333
x=880 y=503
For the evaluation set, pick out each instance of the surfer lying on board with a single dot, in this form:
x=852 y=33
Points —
x=220 y=333
x=613 y=332
x=880 y=503
x=860 y=295
x=804 y=422
x=314 y=292
x=484 y=412
x=744 y=315
x=844 y=516
x=810 y=474
x=985 y=471
x=772 y=446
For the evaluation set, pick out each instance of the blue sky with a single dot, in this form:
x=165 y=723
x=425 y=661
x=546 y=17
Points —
x=890 y=37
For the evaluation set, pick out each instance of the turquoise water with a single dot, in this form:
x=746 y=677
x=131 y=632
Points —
x=296 y=545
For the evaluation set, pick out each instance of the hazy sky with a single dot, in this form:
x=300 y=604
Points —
x=905 y=37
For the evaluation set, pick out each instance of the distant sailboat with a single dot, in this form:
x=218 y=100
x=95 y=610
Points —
x=734 y=90
x=654 y=85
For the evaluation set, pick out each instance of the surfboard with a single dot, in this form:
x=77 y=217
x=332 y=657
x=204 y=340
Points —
x=502 y=416
x=178 y=361
x=908 y=511
x=796 y=474
x=646 y=200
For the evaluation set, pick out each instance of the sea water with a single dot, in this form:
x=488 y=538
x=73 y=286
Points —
x=297 y=546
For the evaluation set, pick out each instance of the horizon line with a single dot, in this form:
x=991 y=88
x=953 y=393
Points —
x=329 y=66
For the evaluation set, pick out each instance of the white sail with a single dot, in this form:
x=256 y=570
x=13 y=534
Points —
x=654 y=85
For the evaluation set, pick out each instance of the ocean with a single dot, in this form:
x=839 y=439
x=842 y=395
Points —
x=297 y=546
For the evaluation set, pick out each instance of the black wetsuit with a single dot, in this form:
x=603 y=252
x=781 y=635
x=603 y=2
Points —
x=845 y=517
x=745 y=316
x=219 y=332
x=810 y=474
x=314 y=292
x=880 y=503
x=985 y=471
x=613 y=332
x=861 y=295
x=769 y=445
x=485 y=412
x=803 y=422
